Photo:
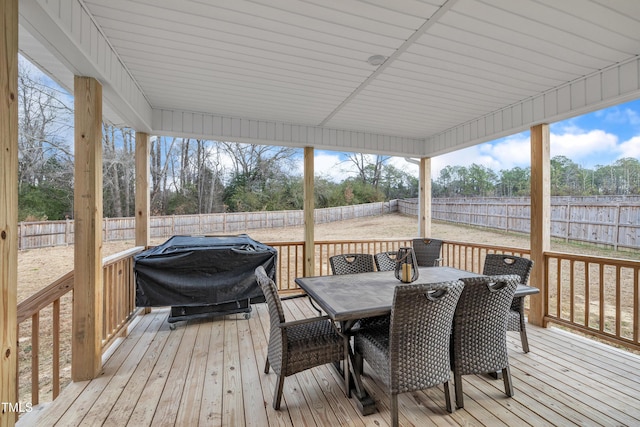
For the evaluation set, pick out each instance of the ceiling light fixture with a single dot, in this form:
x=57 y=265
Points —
x=376 y=60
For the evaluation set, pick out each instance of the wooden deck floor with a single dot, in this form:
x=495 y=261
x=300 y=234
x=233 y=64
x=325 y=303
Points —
x=210 y=372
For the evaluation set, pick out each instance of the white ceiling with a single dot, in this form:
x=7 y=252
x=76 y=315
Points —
x=295 y=72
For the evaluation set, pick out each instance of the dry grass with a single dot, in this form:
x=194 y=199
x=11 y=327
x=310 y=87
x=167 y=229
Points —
x=37 y=268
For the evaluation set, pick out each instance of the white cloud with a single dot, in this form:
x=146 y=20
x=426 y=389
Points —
x=620 y=116
x=583 y=147
x=587 y=148
x=328 y=165
x=630 y=148
x=401 y=164
x=333 y=166
x=503 y=154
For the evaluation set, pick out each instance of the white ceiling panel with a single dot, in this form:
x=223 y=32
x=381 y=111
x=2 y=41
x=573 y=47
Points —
x=451 y=65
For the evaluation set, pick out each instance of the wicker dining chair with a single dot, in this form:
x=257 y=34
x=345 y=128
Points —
x=354 y=264
x=495 y=264
x=300 y=344
x=351 y=263
x=385 y=261
x=479 y=337
x=427 y=252
x=412 y=352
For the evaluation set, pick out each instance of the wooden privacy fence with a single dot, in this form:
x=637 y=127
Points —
x=613 y=221
x=32 y=235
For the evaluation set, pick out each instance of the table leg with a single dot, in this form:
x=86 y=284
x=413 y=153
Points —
x=366 y=404
x=352 y=380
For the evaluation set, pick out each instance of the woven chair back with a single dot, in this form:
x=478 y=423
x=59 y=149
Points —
x=385 y=261
x=276 y=317
x=351 y=264
x=419 y=335
x=500 y=264
x=427 y=251
x=480 y=324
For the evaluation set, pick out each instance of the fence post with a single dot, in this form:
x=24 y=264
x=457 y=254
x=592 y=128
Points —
x=67 y=231
x=616 y=234
x=506 y=216
x=568 y=221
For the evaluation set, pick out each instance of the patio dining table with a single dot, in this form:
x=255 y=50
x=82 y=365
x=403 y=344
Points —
x=350 y=297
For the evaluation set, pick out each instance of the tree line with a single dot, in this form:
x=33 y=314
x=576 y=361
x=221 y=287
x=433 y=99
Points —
x=567 y=179
x=194 y=176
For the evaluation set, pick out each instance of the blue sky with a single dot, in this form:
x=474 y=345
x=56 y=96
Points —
x=598 y=138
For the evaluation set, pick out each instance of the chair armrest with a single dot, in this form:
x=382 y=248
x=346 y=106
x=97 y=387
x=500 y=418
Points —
x=303 y=321
x=293 y=296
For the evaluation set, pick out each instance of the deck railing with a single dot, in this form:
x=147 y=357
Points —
x=49 y=344
x=119 y=294
x=604 y=302
x=595 y=295
x=291 y=256
x=470 y=256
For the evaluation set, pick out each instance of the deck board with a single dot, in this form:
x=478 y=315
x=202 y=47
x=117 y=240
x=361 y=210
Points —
x=210 y=373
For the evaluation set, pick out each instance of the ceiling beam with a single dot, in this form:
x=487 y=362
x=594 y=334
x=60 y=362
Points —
x=403 y=47
x=224 y=128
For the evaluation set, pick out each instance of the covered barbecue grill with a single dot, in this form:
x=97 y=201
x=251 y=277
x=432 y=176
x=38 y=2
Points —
x=202 y=275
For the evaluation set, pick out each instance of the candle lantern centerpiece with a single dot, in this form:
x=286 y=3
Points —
x=406 y=265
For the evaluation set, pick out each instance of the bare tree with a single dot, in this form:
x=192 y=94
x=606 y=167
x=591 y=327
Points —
x=161 y=155
x=253 y=161
x=45 y=122
x=369 y=167
x=118 y=170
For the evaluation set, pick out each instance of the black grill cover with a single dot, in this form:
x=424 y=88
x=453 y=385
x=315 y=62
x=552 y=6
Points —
x=202 y=270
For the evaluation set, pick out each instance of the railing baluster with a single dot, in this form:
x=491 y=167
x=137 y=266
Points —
x=56 y=349
x=35 y=358
x=559 y=289
x=587 y=295
x=601 y=279
x=636 y=304
x=572 y=294
x=618 y=302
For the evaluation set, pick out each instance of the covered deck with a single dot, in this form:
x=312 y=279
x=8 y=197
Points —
x=210 y=372
x=410 y=79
